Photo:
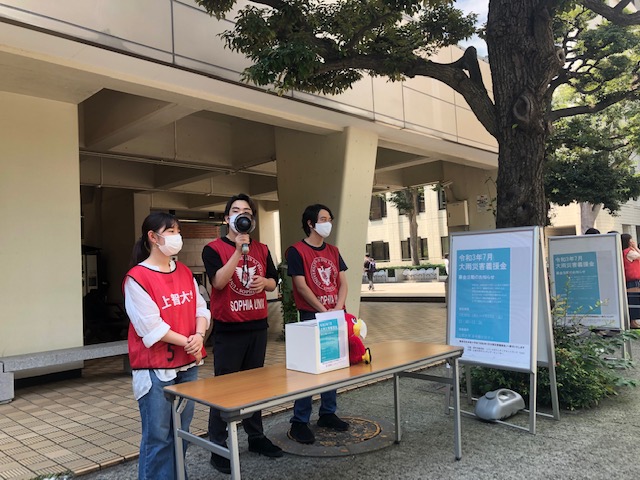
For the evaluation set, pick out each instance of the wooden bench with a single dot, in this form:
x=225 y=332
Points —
x=29 y=361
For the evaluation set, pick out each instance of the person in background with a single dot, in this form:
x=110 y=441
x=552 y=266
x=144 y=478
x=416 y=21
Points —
x=169 y=319
x=631 y=263
x=369 y=268
x=239 y=311
x=319 y=285
x=592 y=231
x=446 y=263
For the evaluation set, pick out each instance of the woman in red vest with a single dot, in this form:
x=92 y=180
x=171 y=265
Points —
x=169 y=319
x=631 y=262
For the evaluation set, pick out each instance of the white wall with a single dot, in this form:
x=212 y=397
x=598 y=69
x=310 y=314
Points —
x=40 y=247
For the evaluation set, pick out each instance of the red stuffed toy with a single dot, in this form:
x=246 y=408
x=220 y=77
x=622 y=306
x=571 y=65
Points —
x=357 y=351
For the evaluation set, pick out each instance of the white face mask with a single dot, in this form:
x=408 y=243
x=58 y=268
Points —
x=232 y=222
x=172 y=244
x=323 y=229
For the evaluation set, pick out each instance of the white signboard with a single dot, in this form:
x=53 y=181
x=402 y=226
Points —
x=494 y=297
x=586 y=272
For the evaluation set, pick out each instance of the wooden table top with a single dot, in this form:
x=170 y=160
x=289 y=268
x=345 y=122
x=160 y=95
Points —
x=235 y=391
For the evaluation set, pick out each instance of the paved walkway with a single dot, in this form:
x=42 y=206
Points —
x=90 y=426
x=92 y=423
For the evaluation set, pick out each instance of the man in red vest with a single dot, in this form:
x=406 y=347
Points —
x=319 y=285
x=241 y=270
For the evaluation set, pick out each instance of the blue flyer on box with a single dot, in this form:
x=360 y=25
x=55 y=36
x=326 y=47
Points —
x=329 y=340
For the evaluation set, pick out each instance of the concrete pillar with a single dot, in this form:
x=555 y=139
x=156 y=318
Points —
x=40 y=250
x=337 y=171
x=268 y=232
x=268 y=228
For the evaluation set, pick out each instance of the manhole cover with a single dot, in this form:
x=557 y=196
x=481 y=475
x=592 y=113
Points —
x=364 y=435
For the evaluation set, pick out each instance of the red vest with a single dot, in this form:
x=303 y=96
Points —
x=235 y=302
x=321 y=273
x=631 y=269
x=176 y=298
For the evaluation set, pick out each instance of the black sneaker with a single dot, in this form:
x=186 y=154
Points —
x=332 y=421
x=223 y=465
x=263 y=446
x=301 y=433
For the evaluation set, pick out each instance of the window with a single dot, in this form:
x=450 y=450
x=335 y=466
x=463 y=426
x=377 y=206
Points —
x=421 y=205
x=405 y=248
x=378 y=209
x=444 y=245
x=380 y=251
x=424 y=248
x=442 y=199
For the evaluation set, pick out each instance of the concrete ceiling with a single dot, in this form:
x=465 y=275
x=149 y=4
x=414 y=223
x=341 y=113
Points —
x=190 y=152
x=194 y=160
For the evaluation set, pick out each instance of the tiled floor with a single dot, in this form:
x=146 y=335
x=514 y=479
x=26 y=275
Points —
x=89 y=423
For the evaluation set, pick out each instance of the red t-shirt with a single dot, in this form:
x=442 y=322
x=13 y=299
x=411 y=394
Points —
x=321 y=273
x=174 y=294
x=235 y=302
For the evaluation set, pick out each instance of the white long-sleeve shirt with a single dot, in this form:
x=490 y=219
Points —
x=148 y=323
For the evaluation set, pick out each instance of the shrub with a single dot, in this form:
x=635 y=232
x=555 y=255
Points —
x=586 y=369
x=439 y=266
x=287 y=303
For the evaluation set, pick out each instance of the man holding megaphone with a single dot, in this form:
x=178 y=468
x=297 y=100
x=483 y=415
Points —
x=241 y=270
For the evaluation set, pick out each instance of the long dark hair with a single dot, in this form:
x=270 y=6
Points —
x=155 y=221
x=625 y=238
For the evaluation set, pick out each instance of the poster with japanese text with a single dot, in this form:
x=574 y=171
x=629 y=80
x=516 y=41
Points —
x=586 y=274
x=491 y=298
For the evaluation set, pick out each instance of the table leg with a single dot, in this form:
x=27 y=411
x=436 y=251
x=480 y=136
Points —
x=455 y=374
x=234 y=453
x=177 y=423
x=396 y=401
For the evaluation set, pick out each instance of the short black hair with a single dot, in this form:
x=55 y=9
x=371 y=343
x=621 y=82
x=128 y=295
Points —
x=310 y=214
x=240 y=196
x=592 y=231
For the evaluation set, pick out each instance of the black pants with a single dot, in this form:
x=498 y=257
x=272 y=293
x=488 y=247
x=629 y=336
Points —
x=234 y=352
x=633 y=300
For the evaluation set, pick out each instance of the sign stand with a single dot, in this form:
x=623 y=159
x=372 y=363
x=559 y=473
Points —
x=587 y=272
x=499 y=308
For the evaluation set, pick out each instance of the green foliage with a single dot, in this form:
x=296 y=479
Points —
x=602 y=57
x=327 y=46
x=287 y=303
x=589 y=158
x=587 y=367
x=404 y=200
x=439 y=266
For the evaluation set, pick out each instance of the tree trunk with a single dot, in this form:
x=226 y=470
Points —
x=523 y=60
x=588 y=214
x=413 y=226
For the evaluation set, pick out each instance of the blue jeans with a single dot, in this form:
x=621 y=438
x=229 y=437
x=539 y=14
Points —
x=302 y=407
x=157 y=447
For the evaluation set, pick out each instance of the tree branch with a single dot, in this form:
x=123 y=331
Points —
x=360 y=33
x=471 y=86
x=613 y=14
x=598 y=107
